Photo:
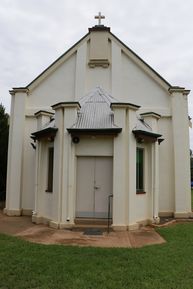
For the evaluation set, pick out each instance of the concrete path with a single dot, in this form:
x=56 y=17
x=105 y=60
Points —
x=24 y=228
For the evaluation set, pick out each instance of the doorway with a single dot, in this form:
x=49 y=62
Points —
x=94 y=185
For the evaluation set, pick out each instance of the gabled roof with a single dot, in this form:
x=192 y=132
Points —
x=73 y=49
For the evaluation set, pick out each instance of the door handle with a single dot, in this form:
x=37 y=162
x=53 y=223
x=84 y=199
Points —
x=96 y=187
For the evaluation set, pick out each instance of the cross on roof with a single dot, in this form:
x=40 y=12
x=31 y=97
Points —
x=99 y=17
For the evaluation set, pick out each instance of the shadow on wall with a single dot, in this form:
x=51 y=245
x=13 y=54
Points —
x=2 y=199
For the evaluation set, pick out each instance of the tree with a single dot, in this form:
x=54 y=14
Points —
x=4 y=132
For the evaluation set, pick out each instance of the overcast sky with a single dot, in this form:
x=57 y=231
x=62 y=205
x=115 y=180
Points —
x=36 y=32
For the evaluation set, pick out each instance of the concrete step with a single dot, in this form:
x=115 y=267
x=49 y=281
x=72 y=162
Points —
x=91 y=222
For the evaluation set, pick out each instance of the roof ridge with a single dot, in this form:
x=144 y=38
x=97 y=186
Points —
x=104 y=95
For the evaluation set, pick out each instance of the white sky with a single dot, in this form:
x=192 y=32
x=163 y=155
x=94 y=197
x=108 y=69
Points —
x=36 y=32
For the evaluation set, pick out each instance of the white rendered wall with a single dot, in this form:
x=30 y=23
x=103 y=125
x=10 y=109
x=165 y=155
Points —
x=45 y=199
x=98 y=76
x=139 y=88
x=28 y=175
x=81 y=67
x=15 y=154
x=180 y=124
x=167 y=190
x=123 y=78
x=57 y=87
x=94 y=146
x=144 y=201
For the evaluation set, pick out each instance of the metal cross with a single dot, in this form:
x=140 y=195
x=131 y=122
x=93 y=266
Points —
x=99 y=17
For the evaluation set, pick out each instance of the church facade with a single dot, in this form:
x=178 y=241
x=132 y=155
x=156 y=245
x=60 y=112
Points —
x=99 y=134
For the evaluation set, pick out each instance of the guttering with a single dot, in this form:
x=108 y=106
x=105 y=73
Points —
x=94 y=131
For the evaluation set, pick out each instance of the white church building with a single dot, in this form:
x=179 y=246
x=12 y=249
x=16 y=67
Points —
x=99 y=134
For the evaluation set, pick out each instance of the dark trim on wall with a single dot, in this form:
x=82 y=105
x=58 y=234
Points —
x=48 y=132
x=92 y=131
x=141 y=134
x=140 y=193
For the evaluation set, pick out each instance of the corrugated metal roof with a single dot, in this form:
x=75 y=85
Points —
x=49 y=124
x=49 y=129
x=95 y=112
x=142 y=125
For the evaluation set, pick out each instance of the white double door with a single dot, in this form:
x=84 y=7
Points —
x=94 y=185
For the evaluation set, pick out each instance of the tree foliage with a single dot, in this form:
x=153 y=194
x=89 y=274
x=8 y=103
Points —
x=4 y=132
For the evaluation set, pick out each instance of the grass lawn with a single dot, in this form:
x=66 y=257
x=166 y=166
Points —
x=25 y=265
x=192 y=198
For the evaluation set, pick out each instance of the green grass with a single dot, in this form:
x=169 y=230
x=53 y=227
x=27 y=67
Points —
x=192 y=199
x=25 y=265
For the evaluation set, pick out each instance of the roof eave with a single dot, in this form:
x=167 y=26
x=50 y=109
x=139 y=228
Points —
x=124 y=105
x=99 y=28
x=178 y=89
x=47 y=132
x=151 y=113
x=15 y=90
x=94 y=131
x=65 y=104
x=145 y=136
